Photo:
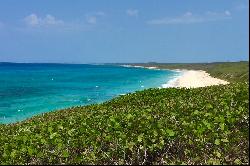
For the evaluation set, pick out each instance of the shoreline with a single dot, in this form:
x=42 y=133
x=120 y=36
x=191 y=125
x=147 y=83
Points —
x=188 y=78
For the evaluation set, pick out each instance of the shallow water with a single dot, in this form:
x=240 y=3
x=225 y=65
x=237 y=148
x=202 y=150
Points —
x=31 y=89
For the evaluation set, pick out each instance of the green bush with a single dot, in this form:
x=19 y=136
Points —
x=155 y=126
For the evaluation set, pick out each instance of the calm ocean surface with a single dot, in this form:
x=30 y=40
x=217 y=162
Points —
x=31 y=89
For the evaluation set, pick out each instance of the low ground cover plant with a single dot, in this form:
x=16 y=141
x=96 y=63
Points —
x=156 y=126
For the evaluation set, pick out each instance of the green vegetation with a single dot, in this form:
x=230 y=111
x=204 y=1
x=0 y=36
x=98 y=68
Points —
x=156 y=126
x=230 y=71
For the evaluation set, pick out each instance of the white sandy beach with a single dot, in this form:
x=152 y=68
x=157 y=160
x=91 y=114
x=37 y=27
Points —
x=194 y=79
x=188 y=78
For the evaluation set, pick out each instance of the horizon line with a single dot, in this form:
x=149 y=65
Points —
x=152 y=62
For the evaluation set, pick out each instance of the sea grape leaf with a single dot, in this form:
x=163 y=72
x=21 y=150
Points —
x=217 y=142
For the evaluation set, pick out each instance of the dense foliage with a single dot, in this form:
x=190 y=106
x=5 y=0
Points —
x=155 y=126
x=230 y=71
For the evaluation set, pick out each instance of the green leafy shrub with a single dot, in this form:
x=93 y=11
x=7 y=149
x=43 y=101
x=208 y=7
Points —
x=155 y=126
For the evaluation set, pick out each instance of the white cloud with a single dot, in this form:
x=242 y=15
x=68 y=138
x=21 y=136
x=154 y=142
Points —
x=34 y=21
x=188 y=18
x=37 y=22
x=188 y=14
x=228 y=13
x=213 y=16
x=92 y=18
x=132 y=12
x=100 y=13
x=51 y=20
x=241 y=7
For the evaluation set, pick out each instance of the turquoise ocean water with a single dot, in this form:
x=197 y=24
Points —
x=32 y=89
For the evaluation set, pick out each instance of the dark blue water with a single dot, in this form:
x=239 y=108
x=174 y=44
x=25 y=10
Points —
x=31 y=89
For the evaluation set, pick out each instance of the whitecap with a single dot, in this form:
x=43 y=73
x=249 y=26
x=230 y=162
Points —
x=172 y=82
x=126 y=66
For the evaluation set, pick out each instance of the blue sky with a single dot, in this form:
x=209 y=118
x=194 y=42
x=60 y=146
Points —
x=95 y=31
